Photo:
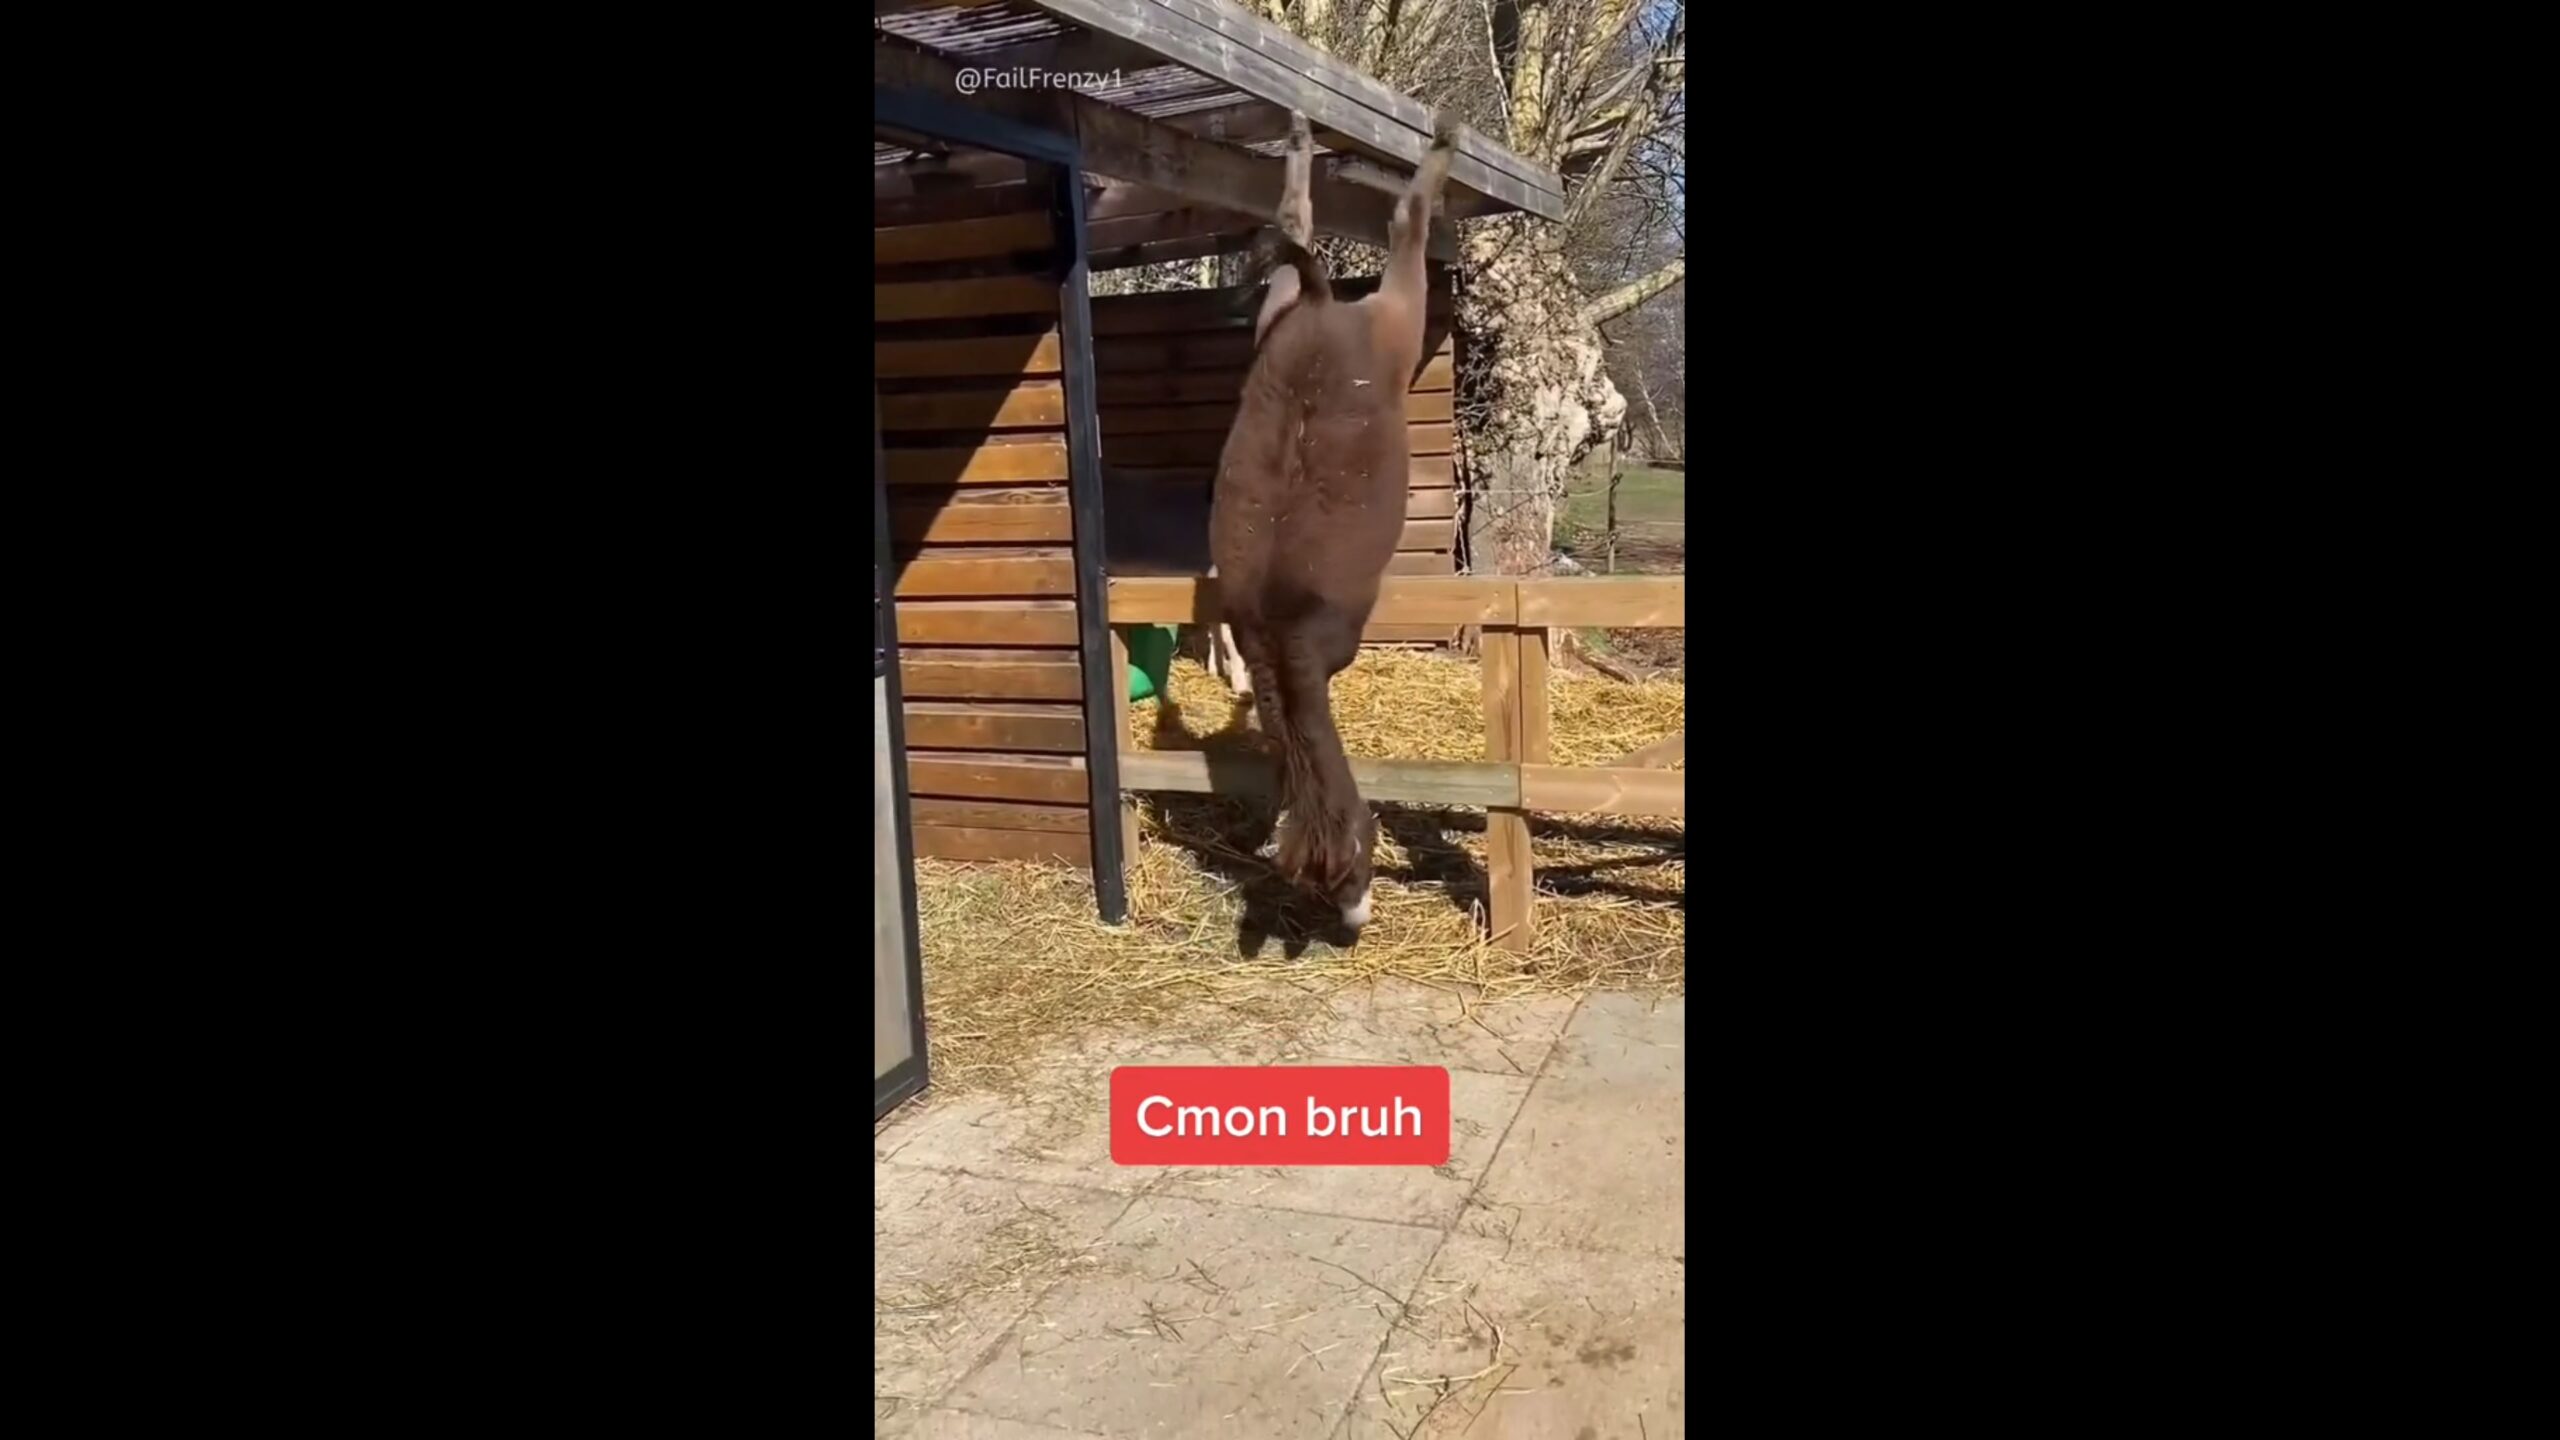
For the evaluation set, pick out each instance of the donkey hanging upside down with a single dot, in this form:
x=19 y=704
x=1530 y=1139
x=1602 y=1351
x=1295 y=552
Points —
x=1309 y=501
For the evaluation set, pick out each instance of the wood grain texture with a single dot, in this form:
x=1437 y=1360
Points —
x=993 y=725
x=1053 y=779
x=953 y=299
x=1436 y=601
x=1433 y=504
x=1510 y=881
x=992 y=515
x=1002 y=815
x=1124 y=801
x=1377 y=634
x=951 y=573
x=1537 y=715
x=1669 y=750
x=926 y=673
x=991 y=464
x=987 y=622
x=1119 y=419
x=990 y=355
x=1428 y=535
x=1630 y=601
x=947 y=842
x=1413 y=782
x=1022 y=232
x=1585 y=790
x=1033 y=403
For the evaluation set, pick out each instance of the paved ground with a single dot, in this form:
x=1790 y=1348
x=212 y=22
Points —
x=1532 y=1287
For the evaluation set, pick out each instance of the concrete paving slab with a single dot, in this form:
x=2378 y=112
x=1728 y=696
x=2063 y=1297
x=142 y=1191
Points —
x=1397 y=1022
x=1481 y=1107
x=1625 y=1039
x=1591 y=1348
x=1596 y=1156
x=1057 y=1132
x=961 y=1425
x=1201 y=1319
x=959 y=1259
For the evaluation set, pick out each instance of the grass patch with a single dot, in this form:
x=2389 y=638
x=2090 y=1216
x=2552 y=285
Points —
x=1645 y=497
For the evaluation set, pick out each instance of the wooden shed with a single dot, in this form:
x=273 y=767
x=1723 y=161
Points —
x=1034 y=440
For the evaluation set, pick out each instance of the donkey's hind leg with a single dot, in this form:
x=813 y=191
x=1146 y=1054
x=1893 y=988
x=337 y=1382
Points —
x=1409 y=226
x=1297 y=221
x=1253 y=648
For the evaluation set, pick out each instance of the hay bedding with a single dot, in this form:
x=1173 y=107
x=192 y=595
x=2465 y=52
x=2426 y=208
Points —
x=1016 y=961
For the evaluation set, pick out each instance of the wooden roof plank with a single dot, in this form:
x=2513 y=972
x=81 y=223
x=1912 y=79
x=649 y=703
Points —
x=1126 y=145
x=1263 y=60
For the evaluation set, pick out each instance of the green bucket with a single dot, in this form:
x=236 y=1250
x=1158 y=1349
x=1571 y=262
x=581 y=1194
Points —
x=1150 y=658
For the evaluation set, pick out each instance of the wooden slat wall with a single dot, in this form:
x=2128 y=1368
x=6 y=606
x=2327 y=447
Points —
x=1169 y=368
x=973 y=420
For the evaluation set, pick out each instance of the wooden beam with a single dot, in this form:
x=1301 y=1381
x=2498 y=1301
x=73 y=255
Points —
x=1537 y=716
x=1629 y=601
x=1409 y=782
x=1458 y=202
x=1088 y=52
x=1114 y=199
x=1262 y=60
x=1159 y=252
x=1120 y=729
x=1128 y=146
x=1422 y=600
x=1191 y=222
x=1580 y=790
x=1510 y=877
x=1669 y=750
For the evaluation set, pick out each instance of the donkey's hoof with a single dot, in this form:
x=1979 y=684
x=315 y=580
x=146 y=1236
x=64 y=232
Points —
x=1444 y=131
x=1301 y=135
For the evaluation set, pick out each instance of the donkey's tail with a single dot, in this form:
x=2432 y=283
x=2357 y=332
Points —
x=1277 y=250
x=1310 y=274
x=1321 y=848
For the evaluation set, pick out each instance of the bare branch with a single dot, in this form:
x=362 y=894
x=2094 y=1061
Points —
x=1665 y=72
x=1635 y=292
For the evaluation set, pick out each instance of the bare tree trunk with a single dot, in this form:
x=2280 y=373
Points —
x=1541 y=393
x=1661 y=437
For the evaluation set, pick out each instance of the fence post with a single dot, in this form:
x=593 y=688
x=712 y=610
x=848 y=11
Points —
x=1127 y=802
x=1510 y=877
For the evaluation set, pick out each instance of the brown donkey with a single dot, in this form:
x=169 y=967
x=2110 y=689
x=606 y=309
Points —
x=1310 y=499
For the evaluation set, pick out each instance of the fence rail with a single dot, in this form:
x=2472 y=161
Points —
x=1515 y=778
x=1632 y=601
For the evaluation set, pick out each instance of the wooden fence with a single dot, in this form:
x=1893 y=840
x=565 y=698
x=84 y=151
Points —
x=1515 y=777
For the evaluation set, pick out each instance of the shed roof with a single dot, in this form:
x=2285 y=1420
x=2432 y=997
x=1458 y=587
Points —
x=1188 y=75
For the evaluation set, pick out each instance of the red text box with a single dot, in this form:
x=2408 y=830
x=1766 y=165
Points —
x=1280 y=1115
